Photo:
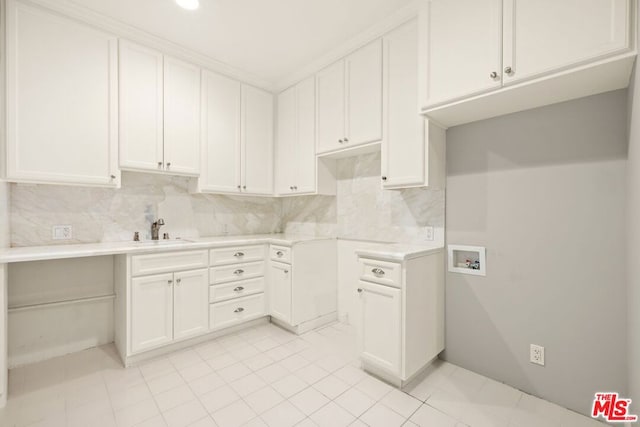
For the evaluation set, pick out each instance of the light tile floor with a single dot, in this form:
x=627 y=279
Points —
x=262 y=376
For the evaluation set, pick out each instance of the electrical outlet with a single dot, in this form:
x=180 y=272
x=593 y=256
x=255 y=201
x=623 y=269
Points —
x=62 y=232
x=428 y=233
x=536 y=354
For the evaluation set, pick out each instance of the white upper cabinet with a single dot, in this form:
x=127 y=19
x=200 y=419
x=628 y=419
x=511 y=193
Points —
x=349 y=100
x=181 y=117
x=364 y=95
x=141 y=113
x=461 y=49
x=237 y=137
x=257 y=141
x=543 y=36
x=295 y=144
x=471 y=48
x=159 y=112
x=220 y=134
x=330 y=107
x=62 y=100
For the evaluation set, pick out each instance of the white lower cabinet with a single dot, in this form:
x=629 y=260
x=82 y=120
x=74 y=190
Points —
x=190 y=303
x=168 y=307
x=380 y=340
x=236 y=291
x=151 y=311
x=280 y=291
x=402 y=306
x=302 y=284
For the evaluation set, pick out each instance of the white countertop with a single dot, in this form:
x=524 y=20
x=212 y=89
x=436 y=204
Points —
x=398 y=251
x=39 y=253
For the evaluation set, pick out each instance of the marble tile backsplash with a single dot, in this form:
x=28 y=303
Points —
x=361 y=210
x=104 y=215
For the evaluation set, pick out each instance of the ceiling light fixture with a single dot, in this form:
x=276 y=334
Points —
x=188 y=4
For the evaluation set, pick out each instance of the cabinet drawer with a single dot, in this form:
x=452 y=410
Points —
x=167 y=262
x=232 y=290
x=229 y=273
x=385 y=273
x=229 y=313
x=235 y=254
x=280 y=253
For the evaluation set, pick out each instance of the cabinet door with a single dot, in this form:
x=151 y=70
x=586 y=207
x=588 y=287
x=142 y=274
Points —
x=257 y=141
x=280 y=291
x=191 y=303
x=220 y=133
x=364 y=95
x=542 y=36
x=460 y=48
x=151 y=311
x=330 y=105
x=403 y=145
x=181 y=117
x=306 y=136
x=140 y=108
x=286 y=165
x=381 y=335
x=62 y=100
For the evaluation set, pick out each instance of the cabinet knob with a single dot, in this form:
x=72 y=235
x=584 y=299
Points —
x=178 y=281
x=239 y=187
x=291 y=188
x=346 y=140
x=508 y=70
x=341 y=141
x=384 y=178
x=244 y=187
x=113 y=177
x=359 y=290
x=295 y=187
x=238 y=289
x=238 y=272
x=286 y=272
x=378 y=271
x=168 y=165
x=493 y=75
x=238 y=254
x=169 y=281
x=279 y=254
x=238 y=310
x=159 y=164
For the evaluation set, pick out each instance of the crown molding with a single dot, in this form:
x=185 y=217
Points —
x=134 y=34
x=376 y=31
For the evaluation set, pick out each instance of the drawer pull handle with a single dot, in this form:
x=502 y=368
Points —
x=238 y=254
x=238 y=272
x=238 y=289
x=238 y=310
x=279 y=253
x=359 y=290
x=378 y=271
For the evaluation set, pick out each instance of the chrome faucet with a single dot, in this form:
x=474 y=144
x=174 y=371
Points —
x=155 y=229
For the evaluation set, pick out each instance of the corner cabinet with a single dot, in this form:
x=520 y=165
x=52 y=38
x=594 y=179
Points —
x=237 y=138
x=159 y=112
x=349 y=100
x=402 y=308
x=62 y=100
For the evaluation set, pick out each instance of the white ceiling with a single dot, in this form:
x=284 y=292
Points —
x=268 y=38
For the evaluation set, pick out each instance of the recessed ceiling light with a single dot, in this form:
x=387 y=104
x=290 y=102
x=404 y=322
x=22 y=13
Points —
x=188 y=4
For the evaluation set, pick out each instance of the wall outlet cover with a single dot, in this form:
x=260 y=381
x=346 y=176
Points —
x=62 y=232
x=536 y=354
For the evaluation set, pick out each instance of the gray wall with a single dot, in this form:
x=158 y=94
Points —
x=544 y=191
